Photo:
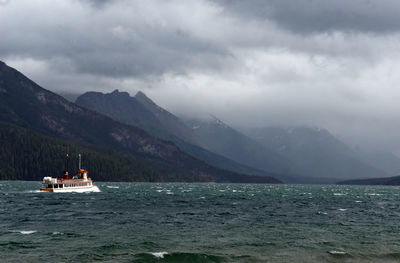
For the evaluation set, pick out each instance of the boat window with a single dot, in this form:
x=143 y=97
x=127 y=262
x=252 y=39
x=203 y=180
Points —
x=56 y=186
x=61 y=186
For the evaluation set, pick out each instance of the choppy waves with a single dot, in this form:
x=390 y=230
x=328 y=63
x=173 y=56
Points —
x=145 y=222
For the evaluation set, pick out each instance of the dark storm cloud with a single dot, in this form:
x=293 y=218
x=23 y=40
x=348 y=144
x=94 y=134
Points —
x=311 y=16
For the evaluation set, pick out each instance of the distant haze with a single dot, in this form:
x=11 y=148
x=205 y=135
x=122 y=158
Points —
x=332 y=64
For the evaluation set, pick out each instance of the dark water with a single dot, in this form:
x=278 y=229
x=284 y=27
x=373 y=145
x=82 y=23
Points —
x=137 y=222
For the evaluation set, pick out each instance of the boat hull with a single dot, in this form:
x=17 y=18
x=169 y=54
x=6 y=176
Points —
x=71 y=190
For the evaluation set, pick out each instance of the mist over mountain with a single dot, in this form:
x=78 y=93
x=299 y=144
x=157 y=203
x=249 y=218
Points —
x=298 y=154
x=316 y=152
x=224 y=140
x=385 y=161
x=26 y=104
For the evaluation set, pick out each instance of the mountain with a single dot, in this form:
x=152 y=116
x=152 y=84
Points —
x=127 y=108
x=139 y=111
x=315 y=152
x=28 y=155
x=26 y=104
x=142 y=112
x=224 y=140
x=395 y=180
x=170 y=122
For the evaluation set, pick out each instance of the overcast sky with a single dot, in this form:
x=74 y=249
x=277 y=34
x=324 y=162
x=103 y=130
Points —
x=327 y=63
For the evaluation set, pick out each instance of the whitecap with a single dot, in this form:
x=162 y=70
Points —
x=358 y=201
x=27 y=232
x=24 y=232
x=159 y=254
x=338 y=194
x=342 y=209
x=337 y=252
x=112 y=187
x=96 y=189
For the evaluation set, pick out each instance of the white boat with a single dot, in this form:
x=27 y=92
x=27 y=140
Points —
x=78 y=183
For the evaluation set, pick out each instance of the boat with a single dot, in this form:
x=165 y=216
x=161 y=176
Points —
x=80 y=182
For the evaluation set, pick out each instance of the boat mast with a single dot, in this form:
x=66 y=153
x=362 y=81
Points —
x=66 y=166
x=79 y=162
x=66 y=162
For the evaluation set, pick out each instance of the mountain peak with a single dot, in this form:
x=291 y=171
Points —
x=116 y=92
x=141 y=96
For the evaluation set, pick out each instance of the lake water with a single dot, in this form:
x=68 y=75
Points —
x=143 y=222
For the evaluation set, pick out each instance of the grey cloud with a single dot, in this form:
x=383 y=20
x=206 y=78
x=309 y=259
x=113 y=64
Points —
x=313 y=16
x=118 y=48
x=4 y=2
x=98 y=3
x=148 y=54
